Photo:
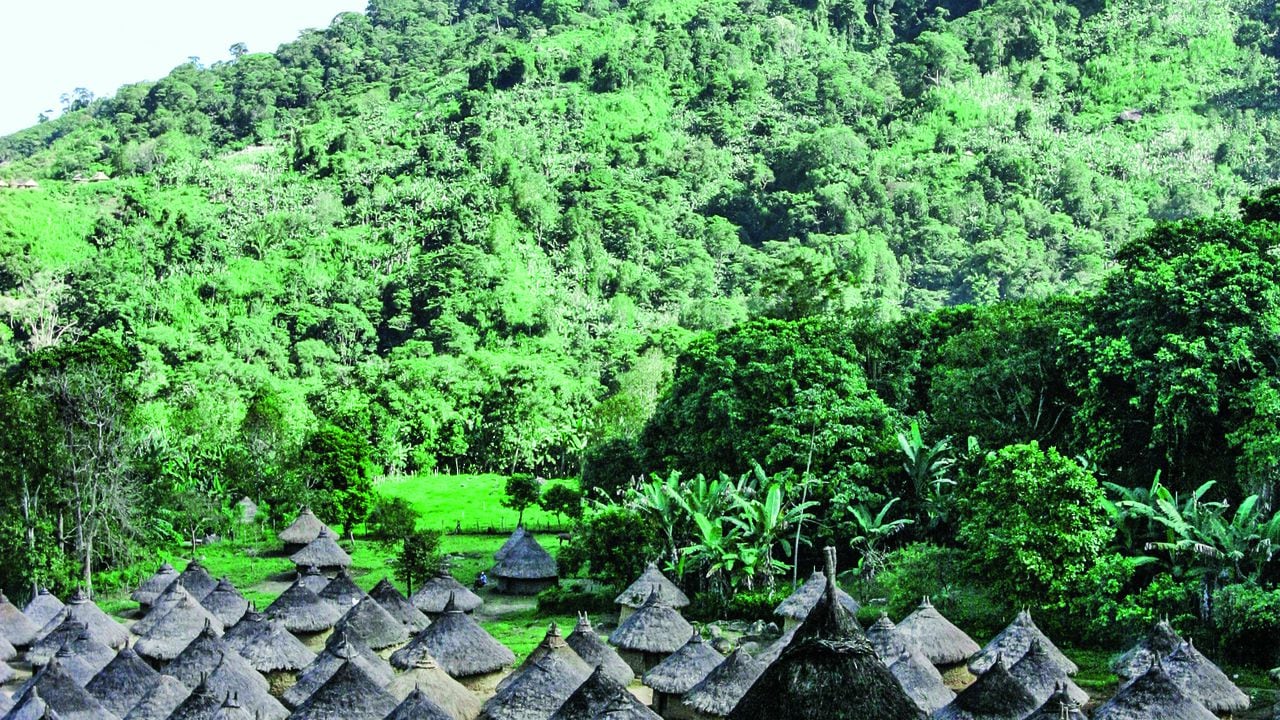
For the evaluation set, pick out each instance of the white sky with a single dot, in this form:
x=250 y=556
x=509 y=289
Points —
x=51 y=47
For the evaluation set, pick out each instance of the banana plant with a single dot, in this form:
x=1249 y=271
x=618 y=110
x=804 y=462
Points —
x=763 y=520
x=872 y=530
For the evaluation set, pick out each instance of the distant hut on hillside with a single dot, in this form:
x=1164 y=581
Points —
x=268 y=646
x=921 y=681
x=451 y=695
x=398 y=606
x=99 y=177
x=340 y=649
x=152 y=587
x=1041 y=676
x=302 y=611
x=4 y=183
x=27 y=185
x=52 y=689
x=464 y=649
x=1160 y=641
x=650 y=634
x=599 y=698
x=436 y=592
x=629 y=600
x=888 y=642
x=679 y=673
x=1059 y=706
x=124 y=682
x=175 y=631
x=1204 y=682
x=720 y=691
x=349 y=694
x=796 y=607
x=594 y=651
x=995 y=695
x=302 y=531
x=525 y=568
x=42 y=608
x=248 y=511
x=226 y=603
x=14 y=626
x=370 y=622
x=1152 y=695
x=1013 y=642
x=342 y=592
x=542 y=683
x=417 y=705
x=323 y=552
x=160 y=703
x=935 y=636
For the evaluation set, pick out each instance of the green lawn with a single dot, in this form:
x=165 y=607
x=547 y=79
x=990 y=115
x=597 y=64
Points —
x=475 y=501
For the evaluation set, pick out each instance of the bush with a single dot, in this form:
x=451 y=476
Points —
x=940 y=573
x=1248 y=623
x=749 y=606
x=392 y=520
x=609 y=467
x=572 y=597
x=611 y=546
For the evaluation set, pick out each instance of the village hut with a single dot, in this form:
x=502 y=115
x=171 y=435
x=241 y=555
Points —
x=4 y=183
x=1059 y=706
x=1013 y=642
x=123 y=683
x=921 y=681
x=348 y=694
x=340 y=649
x=541 y=684
x=1204 y=682
x=342 y=592
x=796 y=607
x=650 y=634
x=398 y=606
x=233 y=676
x=435 y=593
x=302 y=611
x=323 y=552
x=600 y=697
x=516 y=537
x=164 y=603
x=94 y=655
x=773 y=650
x=14 y=626
x=995 y=695
x=1152 y=695
x=1160 y=641
x=196 y=579
x=28 y=184
x=1041 y=676
x=226 y=603
x=160 y=703
x=313 y=579
x=429 y=678
x=935 y=636
x=52 y=687
x=371 y=623
x=829 y=671
x=885 y=638
x=99 y=177
x=200 y=704
x=152 y=587
x=267 y=645
x=232 y=710
x=187 y=621
x=417 y=705
x=7 y=652
x=594 y=651
x=629 y=600
x=464 y=649
x=42 y=608
x=302 y=531
x=101 y=626
x=209 y=653
x=45 y=648
x=721 y=690
x=80 y=669
x=679 y=673
x=525 y=569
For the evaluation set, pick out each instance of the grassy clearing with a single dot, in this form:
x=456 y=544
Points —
x=473 y=501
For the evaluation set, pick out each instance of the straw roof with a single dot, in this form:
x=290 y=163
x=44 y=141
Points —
x=187 y=621
x=800 y=602
x=151 y=588
x=80 y=669
x=418 y=706
x=655 y=627
x=516 y=536
x=209 y=653
x=14 y=626
x=1041 y=676
x=594 y=651
x=302 y=611
x=101 y=626
x=340 y=648
x=201 y=704
x=232 y=710
x=43 y=649
x=936 y=637
x=124 y=682
x=305 y=528
x=53 y=687
x=601 y=697
x=773 y=650
x=458 y=643
x=721 y=690
x=995 y=695
x=1013 y=642
x=885 y=638
x=399 y=607
x=313 y=579
x=1152 y=695
x=348 y=694
x=163 y=699
x=1160 y=641
x=6 y=673
x=94 y=654
x=342 y=592
x=233 y=676
x=164 y=602
x=42 y=608
x=267 y=645
x=435 y=593
x=684 y=668
x=921 y=681
x=225 y=603
x=828 y=671
x=373 y=624
x=638 y=591
x=322 y=552
x=1204 y=681
x=526 y=560
x=447 y=693
x=541 y=684
x=1059 y=706
x=196 y=580
x=7 y=651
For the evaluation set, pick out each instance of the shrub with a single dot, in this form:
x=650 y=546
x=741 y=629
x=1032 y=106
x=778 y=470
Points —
x=611 y=546
x=940 y=573
x=392 y=519
x=572 y=597
x=754 y=605
x=609 y=467
x=1248 y=623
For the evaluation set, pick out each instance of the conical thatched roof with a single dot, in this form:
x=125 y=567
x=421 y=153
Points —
x=444 y=691
x=340 y=649
x=313 y=579
x=773 y=650
x=934 y=635
x=829 y=671
x=1041 y=676
x=80 y=669
x=885 y=638
x=7 y=651
x=1152 y=695
x=995 y=695
x=721 y=690
x=42 y=608
x=322 y=552
x=302 y=611
x=526 y=560
x=601 y=698
x=124 y=682
x=418 y=706
x=373 y=624
x=342 y=592
x=435 y=593
x=201 y=704
x=458 y=643
x=233 y=676
x=101 y=626
x=267 y=645
x=921 y=681
x=516 y=536
x=1160 y=641
x=48 y=646
x=196 y=580
x=1204 y=681
x=163 y=699
x=684 y=668
x=209 y=653
x=92 y=653
x=6 y=673
x=226 y=603
x=53 y=687
x=151 y=588
x=655 y=627
x=800 y=602
x=1012 y=643
x=305 y=528
x=232 y=710
x=349 y=694
x=164 y=602
x=594 y=651
x=638 y=591
x=14 y=626
x=1059 y=706
x=175 y=631
x=541 y=684
x=395 y=603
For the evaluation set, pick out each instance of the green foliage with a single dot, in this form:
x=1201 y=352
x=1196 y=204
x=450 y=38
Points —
x=571 y=598
x=1247 y=620
x=747 y=606
x=521 y=491
x=336 y=464
x=610 y=467
x=562 y=500
x=419 y=557
x=942 y=574
x=392 y=519
x=611 y=545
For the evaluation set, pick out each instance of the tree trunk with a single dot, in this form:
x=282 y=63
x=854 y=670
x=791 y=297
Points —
x=88 y=567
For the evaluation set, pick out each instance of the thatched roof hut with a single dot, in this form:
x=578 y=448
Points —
x=995 y=695
x=935 y=636
x=80 y=669
x=14 y=626
x=1041 y=676
x=349 y=694
x=1152 y=695
x=637 y=592
x=101 y=626
x=163 y=699
x=1204 y=681
x=721 y=690
x=921 y=681
x=225 y=603
x=248 y=510
x=201 y=704
x=594 y=651
x=541 y=684
x=51 y=686
x=267 y=645
x=773 y=650
x=651 y=633
x=304 y=529
x=516 y=536
x=1059 y=706
x=601 y=697
x=829 y=671
x=124 y=682
x=888 y=642
x=1012 y=643
x=46 y=647
x=92 y=653
x=323 y=552
x=164 y=602
x=42 y=608
x=680 y=672
x=435 y=593
x=196 y=579
x=447 y=693
x=398 y=606
x=526 y=568
x=342 y=592
x=459 y=644
x=796 y=607
x=232 y=710
x=313 y=579
x=371 y=623
x=151 y=588
x=187 y=621
x=340 y=649
x=302 y=611
x=417 y=705
x=208 y=653
x=1160 y=641
x=6 y=673
x=7 y=652
x=233 y=676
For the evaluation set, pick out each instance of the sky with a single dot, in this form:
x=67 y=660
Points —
x=52 y=47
